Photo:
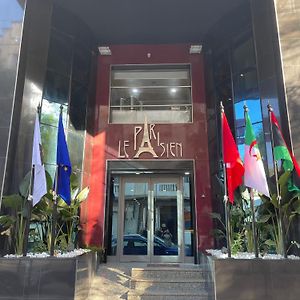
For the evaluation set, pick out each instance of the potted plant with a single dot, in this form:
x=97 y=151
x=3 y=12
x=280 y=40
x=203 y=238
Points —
x=42 y=275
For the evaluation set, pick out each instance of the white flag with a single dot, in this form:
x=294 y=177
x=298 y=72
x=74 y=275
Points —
x=39 y=178
x=255 y=176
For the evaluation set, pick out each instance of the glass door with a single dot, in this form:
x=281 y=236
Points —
x=152 y=220
x=135 y=229
x=167 y=237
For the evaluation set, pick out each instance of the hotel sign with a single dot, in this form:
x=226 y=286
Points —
x=147 y=139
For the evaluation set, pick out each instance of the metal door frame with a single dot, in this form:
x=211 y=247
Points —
x=151 y=181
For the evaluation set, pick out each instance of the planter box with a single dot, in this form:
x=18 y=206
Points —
x=48 y=278
x=257 y=279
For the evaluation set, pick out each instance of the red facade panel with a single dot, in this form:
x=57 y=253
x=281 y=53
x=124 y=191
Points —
x=180 y=141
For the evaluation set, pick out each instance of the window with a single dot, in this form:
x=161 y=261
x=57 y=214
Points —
x=246 y=91
x=160 y=93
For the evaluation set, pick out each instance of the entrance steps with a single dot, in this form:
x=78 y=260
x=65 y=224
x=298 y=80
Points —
x=170 y=282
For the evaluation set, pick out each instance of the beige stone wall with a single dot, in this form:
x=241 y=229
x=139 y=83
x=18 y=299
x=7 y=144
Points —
x=288 y=18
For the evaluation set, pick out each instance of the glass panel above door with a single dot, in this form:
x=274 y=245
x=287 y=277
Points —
x=160 y=92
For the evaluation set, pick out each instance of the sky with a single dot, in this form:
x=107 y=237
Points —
x=10 y=11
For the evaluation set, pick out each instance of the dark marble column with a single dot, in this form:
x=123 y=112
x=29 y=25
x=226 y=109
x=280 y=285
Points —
x=288 y=19
x=28 y=91
x=11 y=27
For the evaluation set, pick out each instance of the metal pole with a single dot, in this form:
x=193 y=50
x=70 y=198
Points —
x=54 y=213
x=226 y=202
x=54 y=218
x=28 y=209
x=254 y=224
x=252 y=202
x=280 y=221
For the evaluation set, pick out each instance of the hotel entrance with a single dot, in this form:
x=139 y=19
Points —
x=151 y=185
x=151 y=219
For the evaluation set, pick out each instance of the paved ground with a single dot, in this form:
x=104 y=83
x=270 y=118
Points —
x=112 y=281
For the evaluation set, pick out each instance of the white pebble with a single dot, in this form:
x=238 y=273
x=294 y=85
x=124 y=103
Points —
x=61 y=254
x=246 y=255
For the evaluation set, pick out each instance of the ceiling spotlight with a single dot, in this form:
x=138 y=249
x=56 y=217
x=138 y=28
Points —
x=186 y=173
x=173 y=90
x=104 y=50
x=195 y=49
x=135 y=91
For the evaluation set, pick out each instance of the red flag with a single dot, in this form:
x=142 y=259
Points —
x=234 y=165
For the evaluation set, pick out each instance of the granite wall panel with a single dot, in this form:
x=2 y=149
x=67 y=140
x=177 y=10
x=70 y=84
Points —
x=288 y=19
x=11 y=28
x=29 y=88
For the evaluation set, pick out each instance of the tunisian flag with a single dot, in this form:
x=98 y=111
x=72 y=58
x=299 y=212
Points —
x=234 y=165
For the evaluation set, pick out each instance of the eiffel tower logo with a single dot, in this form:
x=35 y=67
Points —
x=146 y=143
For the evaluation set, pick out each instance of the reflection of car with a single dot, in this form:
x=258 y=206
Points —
x=136 y=244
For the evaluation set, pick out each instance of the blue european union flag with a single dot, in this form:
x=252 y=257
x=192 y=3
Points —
x=64 y=168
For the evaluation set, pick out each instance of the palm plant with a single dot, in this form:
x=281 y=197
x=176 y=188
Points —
x=270 y=234
x=67 y=216
x=13 y=224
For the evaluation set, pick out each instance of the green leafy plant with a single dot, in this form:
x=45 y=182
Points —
x=268 y=217
x=68 y=223
x=240 y=226
x=69 y=217
x=14 y=222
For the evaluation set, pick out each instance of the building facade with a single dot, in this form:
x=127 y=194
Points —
x=141 y=87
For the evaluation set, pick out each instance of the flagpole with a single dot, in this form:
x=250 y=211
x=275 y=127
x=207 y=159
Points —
x=54 y=212
x=252 y=204
x=28 y=203
x=54 y=215
x=226 y=202
x=280 y=221
x=254 y=224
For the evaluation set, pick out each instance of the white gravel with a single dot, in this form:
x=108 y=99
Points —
x=60 y=254
x=247 y=255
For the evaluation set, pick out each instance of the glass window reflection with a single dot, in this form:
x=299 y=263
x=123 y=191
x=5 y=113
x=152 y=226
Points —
x=135 y=218
x=81 y=66
x=254 y=107
x=56 y=88
x=60 y=53
x=243 y=56
x=163 y=94
x=114 y=211
x=49 y=142
x=10 y=12
x=188 y=218
x=51 y=111
x=77 y=114
x=75 y=145
x=51 y=169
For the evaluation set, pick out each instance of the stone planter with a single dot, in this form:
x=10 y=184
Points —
x=257 y=279
x=48 y=278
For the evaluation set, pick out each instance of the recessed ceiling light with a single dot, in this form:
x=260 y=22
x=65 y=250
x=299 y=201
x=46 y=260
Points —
x=195 y=49
x=173 y=90
x=186 y=173
x=135 y=91
x=104 y=50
